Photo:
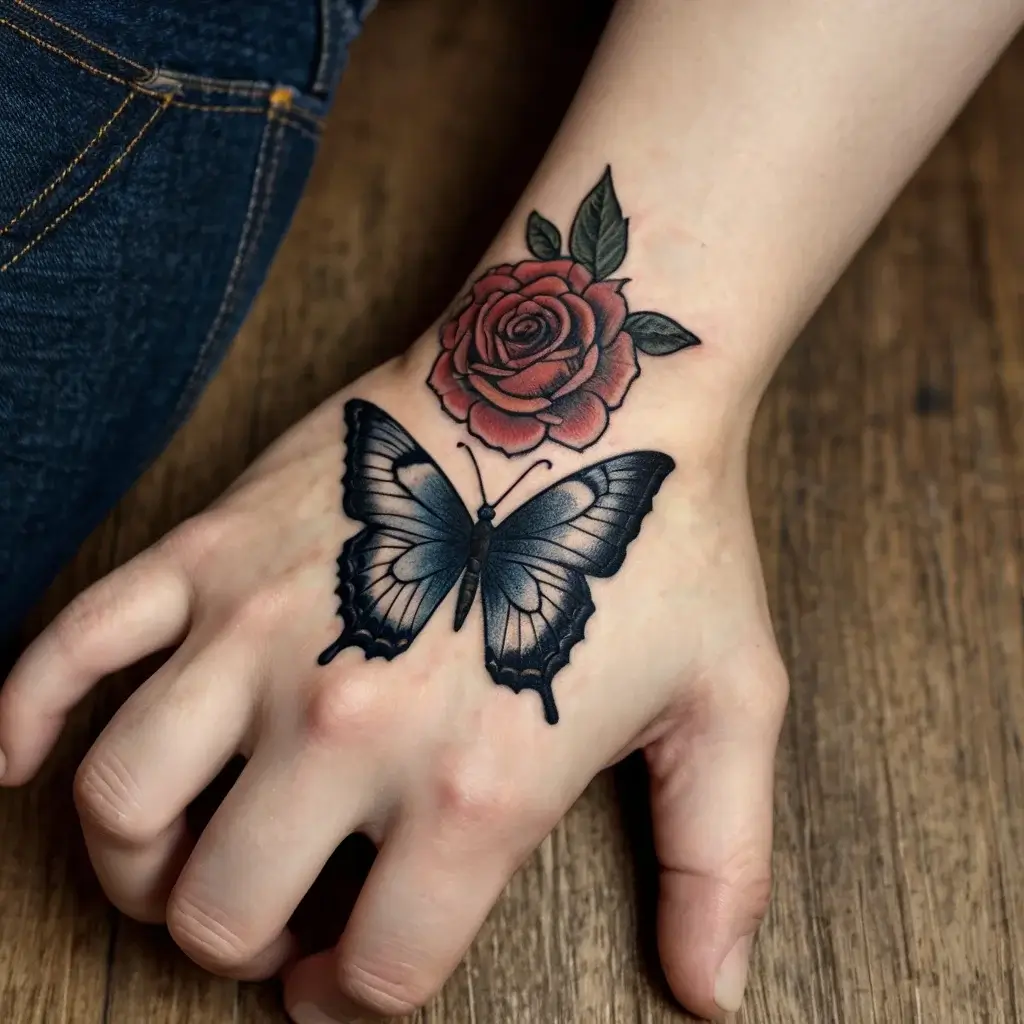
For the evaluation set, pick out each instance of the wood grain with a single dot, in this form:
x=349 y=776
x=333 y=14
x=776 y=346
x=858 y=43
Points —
x=887 y=477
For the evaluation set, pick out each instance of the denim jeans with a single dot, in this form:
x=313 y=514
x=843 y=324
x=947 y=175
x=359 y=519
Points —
x=152 y=153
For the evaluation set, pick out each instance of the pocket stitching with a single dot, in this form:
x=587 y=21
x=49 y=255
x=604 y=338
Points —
x=252 y=229
x=29 y=207
x=162 y=96
x=93 y=188
x=322 y=82
x=79 y=35
x=24 y=33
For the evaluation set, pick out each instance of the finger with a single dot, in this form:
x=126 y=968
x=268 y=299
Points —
x=136 y=610
x=712 y=809
x=166 y=744
x=423 y=903
x=268 y=842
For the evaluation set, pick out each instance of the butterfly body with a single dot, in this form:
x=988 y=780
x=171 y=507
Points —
x=479 y=548
x=531 y=570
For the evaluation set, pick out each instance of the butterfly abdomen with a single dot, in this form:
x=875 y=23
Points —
x=479 y=546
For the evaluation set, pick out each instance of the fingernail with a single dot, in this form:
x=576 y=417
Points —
x=307 y=1013
x=3 y=764
x=731 y=980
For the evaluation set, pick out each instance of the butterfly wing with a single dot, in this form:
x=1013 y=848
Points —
x=394 y=573
x=535 y=592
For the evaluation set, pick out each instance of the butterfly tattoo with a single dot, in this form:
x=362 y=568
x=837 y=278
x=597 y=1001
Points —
x=531 y=569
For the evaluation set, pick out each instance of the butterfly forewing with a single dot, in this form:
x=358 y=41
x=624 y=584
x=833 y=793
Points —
x=394 y=573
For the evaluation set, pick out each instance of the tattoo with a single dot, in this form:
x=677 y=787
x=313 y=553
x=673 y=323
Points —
x=531 y=569
x=546 y=348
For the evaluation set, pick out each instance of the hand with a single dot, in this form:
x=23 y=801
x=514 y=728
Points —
x=454 y=778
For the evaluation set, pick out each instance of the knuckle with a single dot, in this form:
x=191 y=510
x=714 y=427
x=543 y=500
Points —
x=207 y=935
x=108 y=799
x=756 y=692
x=471 y=793
x=389 y=989
x=341 y=710
x=775 y=689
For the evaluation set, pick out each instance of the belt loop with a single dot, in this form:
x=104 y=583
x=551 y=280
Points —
x=329 y=39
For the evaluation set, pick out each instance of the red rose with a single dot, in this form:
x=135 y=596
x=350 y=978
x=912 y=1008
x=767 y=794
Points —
x=537 y=352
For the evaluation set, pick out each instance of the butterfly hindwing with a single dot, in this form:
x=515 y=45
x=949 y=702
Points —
x=396 y=571
x=535 y=592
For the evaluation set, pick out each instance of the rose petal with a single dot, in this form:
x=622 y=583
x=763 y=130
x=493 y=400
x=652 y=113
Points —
x=580 y=278
x=449 y=388
x=584 y=323
x=523 y=355
x=491 y=371
x=494 y=312
x=483 y=338
x=460 y=357
x=533 y=270
x=509 y=403
x=450 y=334
x=584 y=373
x=615 y=372
x=467 y=318
x=497 y=280
x=563 y=354
x=605 y=298
x=546 y=286
x=529 y=308
x=554 y=308
x=459 y=324
x=549 y=417
x=584 y=420
x=510 y=434
x=538 y=379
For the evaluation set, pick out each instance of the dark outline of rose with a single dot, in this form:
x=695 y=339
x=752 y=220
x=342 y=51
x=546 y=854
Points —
x=545 y=349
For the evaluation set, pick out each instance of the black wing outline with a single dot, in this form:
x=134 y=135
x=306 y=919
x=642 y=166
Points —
x=394 y=573
x=535 y=592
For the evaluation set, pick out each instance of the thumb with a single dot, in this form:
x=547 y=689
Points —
x=711 y=801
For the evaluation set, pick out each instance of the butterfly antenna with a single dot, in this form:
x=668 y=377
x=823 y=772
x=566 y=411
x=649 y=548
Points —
x=540 y=462
x=479 y=478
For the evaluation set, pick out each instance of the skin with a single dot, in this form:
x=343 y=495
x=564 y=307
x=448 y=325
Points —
x=754 y=146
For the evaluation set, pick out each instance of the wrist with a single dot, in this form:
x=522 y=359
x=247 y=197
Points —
x=556 y=339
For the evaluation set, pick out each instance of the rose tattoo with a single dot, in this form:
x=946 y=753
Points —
x=546 y=348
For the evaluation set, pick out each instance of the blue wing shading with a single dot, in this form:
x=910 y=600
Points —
x=394 y=573
x=535 y=592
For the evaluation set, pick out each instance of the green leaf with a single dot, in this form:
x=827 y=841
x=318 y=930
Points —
x=543 y=238
x=657 y=335
x=600 y=233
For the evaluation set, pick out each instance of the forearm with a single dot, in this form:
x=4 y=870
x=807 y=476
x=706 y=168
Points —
x=753 y=145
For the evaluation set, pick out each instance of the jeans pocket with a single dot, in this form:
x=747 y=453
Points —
x=65 y=132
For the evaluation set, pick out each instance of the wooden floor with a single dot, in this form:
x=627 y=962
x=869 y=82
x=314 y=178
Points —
x=888 y=486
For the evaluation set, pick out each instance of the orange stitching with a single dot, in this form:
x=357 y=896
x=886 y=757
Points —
x=218 y=109
x=299 y=112
x=302 y=130
x=90 y=191
x=121 y=81
x=243 y=251
x=231 y=87
x=225 y=110
x=326 y=47
x=70 y=167
x=79 y=35
x=56 y=49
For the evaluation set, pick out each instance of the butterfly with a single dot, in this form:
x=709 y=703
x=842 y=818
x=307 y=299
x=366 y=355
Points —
x=531 y=569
